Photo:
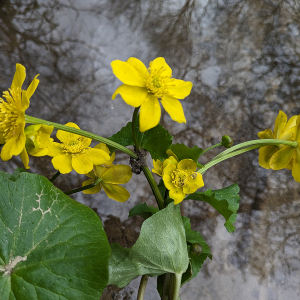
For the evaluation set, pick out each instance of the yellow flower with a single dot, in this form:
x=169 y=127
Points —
x=74 y=153
x=181 y=179
x=283 y=130
x=38 y=139
x=160 y=165
x=110 y=176
x=12 y=116
x=143 y=87
x=288 y=156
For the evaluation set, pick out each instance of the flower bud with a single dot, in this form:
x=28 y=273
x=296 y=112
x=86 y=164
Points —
x=196 y=249
x=227 y=141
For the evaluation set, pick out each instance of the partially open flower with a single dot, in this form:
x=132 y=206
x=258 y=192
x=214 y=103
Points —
x=12 y=116
x=181 y=179
x=38 y=139
x=111 y=176
x=160 y=165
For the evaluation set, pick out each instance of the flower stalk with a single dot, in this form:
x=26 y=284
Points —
x=86 y=187
x=142 y=287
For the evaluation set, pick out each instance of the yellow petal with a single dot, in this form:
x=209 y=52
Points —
x=282 y=157
x=179 y=89
x=14 y=145
x=25 y=158
x=265 y=154
x=266 y=134
x=103 y=147
x=97 y=156
x=65 y=136
x=288 y=135
x=297 y=130
x=291 y=123
x=195 y=183
x=160 y=62
x=116 y=192
x=170 y=160
x=62 y=163
x=132 y=95
x=100 y=170
x=2 y=139
x=82 y=163
x=280 y=123
x=296 y=166
x=174 y=108
x=139 y=66
x=157 y=164
x=127 y=73
x=117 y=174
x=171 y=153
x=39 y=152
x=32 y=129
x=188 y=165
x=150 y=113
x=177 y=195
x=26 y=95
x=167 y=176
x=55 y=149
x=93 y=190
x=19 y=77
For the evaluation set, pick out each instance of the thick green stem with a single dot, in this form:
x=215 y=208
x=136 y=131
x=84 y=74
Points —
x=175 y=286
x=95 y=137
x=228 y=155
x=86 y=187
x=154 y=187
x=134 y=129
x=211 y=147
x=142 y=287
x=55 y=176
x=166 y=286
x=265 y=142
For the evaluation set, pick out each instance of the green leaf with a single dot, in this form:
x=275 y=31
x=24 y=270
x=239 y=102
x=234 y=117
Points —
x=182 y=151
x=157 y=141
x=143 y=210
x=162 y=188
x=161 y=248
x=16 y=175
x=147 y=140
x=123 y=137
x=225 y=201
x=51 y=246
x=196 y=261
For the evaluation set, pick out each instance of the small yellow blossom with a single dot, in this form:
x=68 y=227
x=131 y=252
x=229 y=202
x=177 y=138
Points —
x=111 y=176
x=143 y=87
x=288 y=156
x=12 y=116
x=160 y=165
x=38 y=139
x=283 y=130
x=181 y=179
x=74 y=153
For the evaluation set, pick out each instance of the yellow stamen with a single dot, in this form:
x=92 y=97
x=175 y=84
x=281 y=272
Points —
x=157 y=83
x=73 y=146
x=10 y=112
x=180 y=178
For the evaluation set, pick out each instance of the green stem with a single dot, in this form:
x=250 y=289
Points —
x=211 y=147
x=134 y=131
x=166 y=286
x=86 y=187
x=154 y=187
x=228 y=155
x=95 y=137
x=55 y=176
x=175 y=286
x=142 y=287
x=266 y=142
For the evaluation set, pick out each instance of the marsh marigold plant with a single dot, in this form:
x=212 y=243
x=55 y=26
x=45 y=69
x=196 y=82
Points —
x=144 y=87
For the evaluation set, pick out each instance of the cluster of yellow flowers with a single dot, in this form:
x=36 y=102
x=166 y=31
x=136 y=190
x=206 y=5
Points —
x=73 y=153
x=282 y=156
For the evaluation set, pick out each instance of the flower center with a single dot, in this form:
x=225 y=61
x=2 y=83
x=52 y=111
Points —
x=157 y=83
x=180 y=178
x=10 y=112
x=73 y=146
